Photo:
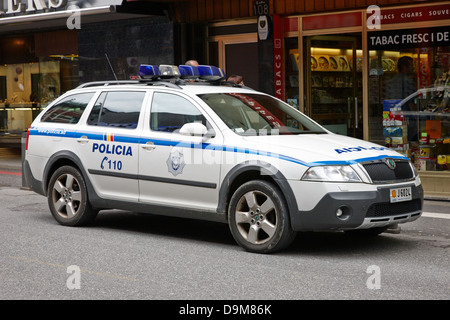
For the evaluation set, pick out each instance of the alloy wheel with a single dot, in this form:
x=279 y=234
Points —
x=256 y=217
x=66 y=195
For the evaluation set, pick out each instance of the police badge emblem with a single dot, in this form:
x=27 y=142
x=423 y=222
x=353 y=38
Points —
x=175 y=162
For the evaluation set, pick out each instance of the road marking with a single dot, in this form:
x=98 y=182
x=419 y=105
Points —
x=11 y=173
x=436 y=215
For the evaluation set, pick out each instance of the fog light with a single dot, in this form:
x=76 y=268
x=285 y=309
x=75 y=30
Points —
x=343 y=213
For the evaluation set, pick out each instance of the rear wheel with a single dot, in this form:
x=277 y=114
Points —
x=258 y=218
x=68 y=198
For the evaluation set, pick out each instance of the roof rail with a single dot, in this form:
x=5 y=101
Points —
x=106 y=83
x=121 y=82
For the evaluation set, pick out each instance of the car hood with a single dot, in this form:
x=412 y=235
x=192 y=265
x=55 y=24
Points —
x=320 y=149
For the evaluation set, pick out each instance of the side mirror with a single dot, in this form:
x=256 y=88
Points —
x=194 y=129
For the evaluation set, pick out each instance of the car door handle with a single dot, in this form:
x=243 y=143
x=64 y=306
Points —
x=148 y=146
x=83 y=140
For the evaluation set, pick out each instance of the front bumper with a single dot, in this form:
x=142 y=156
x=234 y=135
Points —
x=360 y=210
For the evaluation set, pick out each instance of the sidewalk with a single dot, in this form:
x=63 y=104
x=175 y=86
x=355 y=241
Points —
x=10 y=159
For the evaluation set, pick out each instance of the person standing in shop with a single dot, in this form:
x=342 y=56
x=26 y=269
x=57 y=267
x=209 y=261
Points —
x=400 y=87
x=403 y=84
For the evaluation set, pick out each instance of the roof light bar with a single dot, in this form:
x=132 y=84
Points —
x=147 y=71
x=188 y=72
x=169 y=71
x=164 y=71
x=211 y=73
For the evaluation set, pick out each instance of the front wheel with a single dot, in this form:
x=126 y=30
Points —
x=68 y=198
x=258 y=218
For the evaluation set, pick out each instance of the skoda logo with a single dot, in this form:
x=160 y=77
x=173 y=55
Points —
x=390 y=163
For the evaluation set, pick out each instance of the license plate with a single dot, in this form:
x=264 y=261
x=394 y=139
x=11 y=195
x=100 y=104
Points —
x=401 y=194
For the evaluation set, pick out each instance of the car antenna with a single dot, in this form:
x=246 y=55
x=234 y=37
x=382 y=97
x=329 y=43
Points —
x=112 y=69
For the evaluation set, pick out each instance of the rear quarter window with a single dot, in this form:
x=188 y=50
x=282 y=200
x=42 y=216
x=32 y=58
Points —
x=69 y=109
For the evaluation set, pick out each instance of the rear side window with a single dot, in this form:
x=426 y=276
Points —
x=120 y=109
x=68 y=110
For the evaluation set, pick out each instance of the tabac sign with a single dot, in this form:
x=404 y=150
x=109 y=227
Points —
x=30 y=6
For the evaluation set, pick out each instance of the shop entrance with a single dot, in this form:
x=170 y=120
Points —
x=333 y=85
x=237 y=55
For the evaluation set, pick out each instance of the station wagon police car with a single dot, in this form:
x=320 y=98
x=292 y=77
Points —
x=183 y=142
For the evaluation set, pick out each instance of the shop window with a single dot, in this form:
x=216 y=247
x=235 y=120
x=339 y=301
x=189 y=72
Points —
x=333 y=71
x=409 y=92
x=117 y=109
x=68 y=110
x=292 y=71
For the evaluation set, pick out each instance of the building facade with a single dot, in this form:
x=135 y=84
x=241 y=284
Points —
x=45 y=52
x=348 y=64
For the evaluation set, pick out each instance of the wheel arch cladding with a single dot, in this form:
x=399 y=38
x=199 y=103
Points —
x=255 y=170
x=66 y=158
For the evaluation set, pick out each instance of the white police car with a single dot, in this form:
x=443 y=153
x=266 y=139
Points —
x=194 y=146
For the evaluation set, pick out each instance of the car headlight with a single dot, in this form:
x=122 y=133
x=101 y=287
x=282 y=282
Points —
x=331 y=174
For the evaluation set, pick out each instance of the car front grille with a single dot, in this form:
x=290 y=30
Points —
x=379 y=171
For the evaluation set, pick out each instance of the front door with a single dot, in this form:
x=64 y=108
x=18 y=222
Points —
x=334 y=82
x=175 y=169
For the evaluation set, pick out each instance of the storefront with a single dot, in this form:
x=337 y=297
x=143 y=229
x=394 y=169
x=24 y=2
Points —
x=354 y=79
x=44 y=53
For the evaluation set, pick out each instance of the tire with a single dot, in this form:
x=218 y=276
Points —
x=258 y=218
x=372 y=232
x=68 y=198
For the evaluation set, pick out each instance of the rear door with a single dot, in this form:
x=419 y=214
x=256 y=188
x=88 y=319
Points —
x=108 y=143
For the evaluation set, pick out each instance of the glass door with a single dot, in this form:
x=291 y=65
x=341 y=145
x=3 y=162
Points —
x=333 y=83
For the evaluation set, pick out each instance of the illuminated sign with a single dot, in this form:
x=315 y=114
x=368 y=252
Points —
x=16 y=6
x=278 y=57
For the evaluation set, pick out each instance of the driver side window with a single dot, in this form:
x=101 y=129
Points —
x=170 y=112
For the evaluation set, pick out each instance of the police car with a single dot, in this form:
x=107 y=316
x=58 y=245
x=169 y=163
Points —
x=183 y=142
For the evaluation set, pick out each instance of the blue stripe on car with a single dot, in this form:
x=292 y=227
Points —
x=141 y=140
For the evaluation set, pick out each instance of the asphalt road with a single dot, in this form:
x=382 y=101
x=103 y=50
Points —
x=126 y=255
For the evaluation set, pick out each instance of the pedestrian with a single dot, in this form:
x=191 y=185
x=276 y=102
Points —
x=192 y=63
x=237 y=79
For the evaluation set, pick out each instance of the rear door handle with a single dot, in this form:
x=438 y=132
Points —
x=148 y=146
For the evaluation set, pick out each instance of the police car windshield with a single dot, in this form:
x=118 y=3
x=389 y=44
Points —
x=257 y=114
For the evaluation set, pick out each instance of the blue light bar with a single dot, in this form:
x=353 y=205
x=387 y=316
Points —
x=211 y=73
x=188 y=72
x=147 y=71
